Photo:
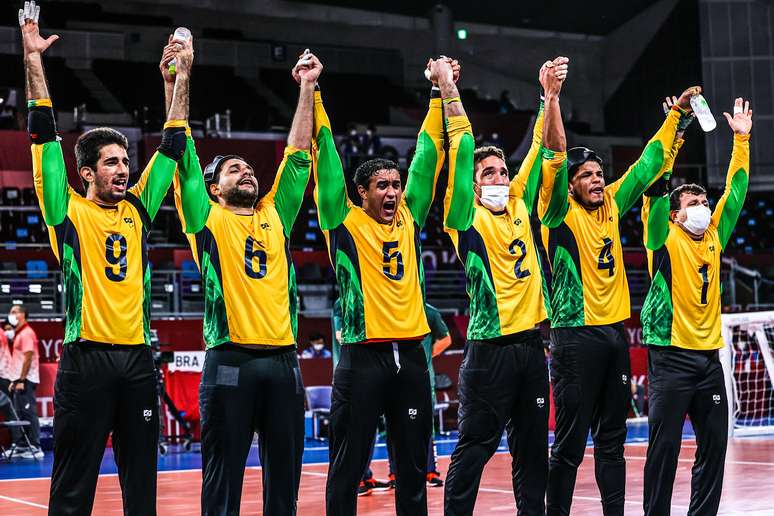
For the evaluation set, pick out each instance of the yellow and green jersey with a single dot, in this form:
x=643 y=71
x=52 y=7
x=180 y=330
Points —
x=682 y=307
x=588 y=285
x=249 y=282
x=505 y=282
x=378 y=266
x=102 y=249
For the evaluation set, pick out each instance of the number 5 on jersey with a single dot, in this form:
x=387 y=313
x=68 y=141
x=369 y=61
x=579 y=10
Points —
x=388 y=258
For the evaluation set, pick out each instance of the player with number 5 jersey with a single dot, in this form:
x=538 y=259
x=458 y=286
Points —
x=375 y=252
x=251 y=381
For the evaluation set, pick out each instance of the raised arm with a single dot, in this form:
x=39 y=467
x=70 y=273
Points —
x=655 y=205
x=158 y=174
x=287 y=192
x=655 y=200
x=730 y=204
x=48 y=167
x=651 y=163
x=552 y=201
x=526 y=182
x=429 y=154
x=330 y=189
x=459 y=198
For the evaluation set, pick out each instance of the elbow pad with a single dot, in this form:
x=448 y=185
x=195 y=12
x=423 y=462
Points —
x=41 y=124
x=173 y=142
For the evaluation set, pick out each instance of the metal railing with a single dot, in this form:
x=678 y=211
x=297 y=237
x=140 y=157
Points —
x=178 y=294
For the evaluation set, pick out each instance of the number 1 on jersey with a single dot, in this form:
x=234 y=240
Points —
x=703 y=270
x=606 y=259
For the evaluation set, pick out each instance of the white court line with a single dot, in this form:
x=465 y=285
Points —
x=23 y=502
x=574 y=497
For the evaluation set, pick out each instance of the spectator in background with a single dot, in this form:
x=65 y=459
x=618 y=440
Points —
x=316 y=348
x=370 y=143
x=350 y=148
x=25 y=377
x=506 y=104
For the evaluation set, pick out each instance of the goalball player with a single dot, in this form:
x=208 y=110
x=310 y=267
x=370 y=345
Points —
x=681 y=326
x=106 y=381
x=375 y=252
x=590 y=366
x=251 y=380
x=503 y=377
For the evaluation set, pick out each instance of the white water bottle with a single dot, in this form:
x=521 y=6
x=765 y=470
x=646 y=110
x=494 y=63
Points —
x=182 y=35
x=703 y=113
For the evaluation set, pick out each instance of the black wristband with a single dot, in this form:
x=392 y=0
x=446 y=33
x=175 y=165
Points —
x=41 y=124
x=435 y=92
x=658 y=189
x=173 y=141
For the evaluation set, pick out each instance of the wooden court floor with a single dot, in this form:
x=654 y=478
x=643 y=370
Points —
x=748 y=488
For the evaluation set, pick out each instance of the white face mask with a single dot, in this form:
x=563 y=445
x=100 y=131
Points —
x=10 y=334
x=13 y=320
x=697 y=219
x=494 y=197
x=318 y=347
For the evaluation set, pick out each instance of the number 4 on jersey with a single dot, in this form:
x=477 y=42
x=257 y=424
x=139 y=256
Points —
x=606 y=260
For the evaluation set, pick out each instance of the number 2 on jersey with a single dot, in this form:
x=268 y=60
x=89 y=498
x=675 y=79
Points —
x=523 y=249
x=606 y=260
x=113 y=259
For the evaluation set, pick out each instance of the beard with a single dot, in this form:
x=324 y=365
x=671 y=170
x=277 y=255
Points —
x=240 y=198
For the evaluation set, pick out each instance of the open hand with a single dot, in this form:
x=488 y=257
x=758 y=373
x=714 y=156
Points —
x=32 y=41
x=741 y=122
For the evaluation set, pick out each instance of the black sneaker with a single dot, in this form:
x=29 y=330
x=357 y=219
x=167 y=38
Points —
x=377 y=485
x=364 y=489
x=434 y=479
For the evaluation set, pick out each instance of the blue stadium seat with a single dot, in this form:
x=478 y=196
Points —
x=36 y=269
x=190 y=271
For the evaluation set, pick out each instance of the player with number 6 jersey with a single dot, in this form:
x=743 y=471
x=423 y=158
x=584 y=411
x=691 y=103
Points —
x=251 y=381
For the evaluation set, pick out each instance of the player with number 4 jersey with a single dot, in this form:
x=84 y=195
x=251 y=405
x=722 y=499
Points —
x=251 y=381
x=590 y=366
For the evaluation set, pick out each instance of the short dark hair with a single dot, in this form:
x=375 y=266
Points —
x=23 y=309
x=90 y=143
x=316 y=336
x=486 y=151
x=691 y=188
x=366 y=170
